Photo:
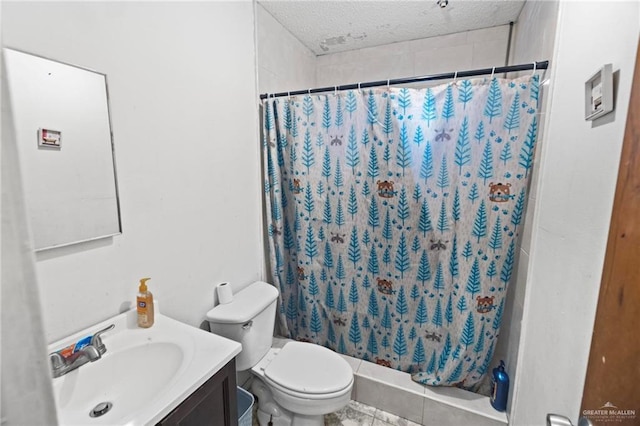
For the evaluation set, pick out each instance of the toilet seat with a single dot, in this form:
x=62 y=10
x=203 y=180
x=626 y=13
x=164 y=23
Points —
x=307 y=396
x=300 y=370
x=305 y=380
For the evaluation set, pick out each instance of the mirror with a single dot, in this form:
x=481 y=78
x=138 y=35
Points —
x=65 y=146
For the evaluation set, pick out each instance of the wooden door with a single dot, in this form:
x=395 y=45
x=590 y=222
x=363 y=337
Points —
x=612 y=388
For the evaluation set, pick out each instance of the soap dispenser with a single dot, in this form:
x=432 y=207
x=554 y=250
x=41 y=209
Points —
x=144 y=305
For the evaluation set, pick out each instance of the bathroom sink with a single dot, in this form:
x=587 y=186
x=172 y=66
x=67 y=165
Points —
x=144 y=374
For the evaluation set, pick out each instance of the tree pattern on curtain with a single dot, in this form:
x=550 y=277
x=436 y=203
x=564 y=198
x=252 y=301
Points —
x=393 y=216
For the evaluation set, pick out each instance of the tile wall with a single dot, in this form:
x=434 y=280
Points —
x=481 y=48
x=284 y=63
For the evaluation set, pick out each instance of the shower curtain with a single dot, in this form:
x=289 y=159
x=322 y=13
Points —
x=393 y=215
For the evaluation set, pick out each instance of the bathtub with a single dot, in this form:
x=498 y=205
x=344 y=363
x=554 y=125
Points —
x=394 y=391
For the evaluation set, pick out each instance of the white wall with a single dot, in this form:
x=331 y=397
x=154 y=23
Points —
x=459 y=51
x=533 y=40
x=25 y=389
x=578 y=169
x=284 y=63
x=183 y=103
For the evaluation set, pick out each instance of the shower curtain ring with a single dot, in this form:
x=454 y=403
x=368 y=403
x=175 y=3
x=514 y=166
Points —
x=335 y=90
x=359 y=90
x=388 y=82
x=535 y=64
x=308 y=91
x=455 y=77
x=493 y=72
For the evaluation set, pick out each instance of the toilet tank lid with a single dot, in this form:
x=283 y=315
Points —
x=246 y=304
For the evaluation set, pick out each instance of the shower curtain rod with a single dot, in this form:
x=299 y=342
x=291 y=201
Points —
x=542 y=65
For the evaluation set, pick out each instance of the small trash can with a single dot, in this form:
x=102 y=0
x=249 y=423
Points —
x=245 y=405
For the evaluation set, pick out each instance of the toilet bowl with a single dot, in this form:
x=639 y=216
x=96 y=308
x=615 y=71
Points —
x=295 y=385
x=306 y=380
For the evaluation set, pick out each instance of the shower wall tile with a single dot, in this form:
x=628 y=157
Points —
x=369 y=69
x=525 y=239
x=393 y=377
x=343 y=74
x=394 y=392
x=534 y=32
x=535 y=173
x=475 y=404
x=485 y=53
x=389 y=66
x=500 y=32
x=284 y=63
x=335 y=75
x=436 y=414
x=267 y=80
x=453 y=39
x=430 y=44
x=443 y=59
x=521 y=276
x=503 y=348
x=339 y=57
x=380 y=51
x=534 y=35
x=457 y=51
x=509 y=340
x=513 y=328
x=353 y=362
x=402 y=402
x=507 y=346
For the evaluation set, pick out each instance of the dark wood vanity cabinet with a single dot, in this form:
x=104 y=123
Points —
x=214 y=403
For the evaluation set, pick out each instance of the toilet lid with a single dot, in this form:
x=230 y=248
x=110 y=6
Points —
x=309 y=368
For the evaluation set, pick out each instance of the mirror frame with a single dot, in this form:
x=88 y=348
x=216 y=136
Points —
x=111 y=141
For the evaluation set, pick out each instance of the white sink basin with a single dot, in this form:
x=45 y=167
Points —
x=144 y=374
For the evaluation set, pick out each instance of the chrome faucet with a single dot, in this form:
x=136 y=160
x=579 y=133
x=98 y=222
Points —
x=61 y=365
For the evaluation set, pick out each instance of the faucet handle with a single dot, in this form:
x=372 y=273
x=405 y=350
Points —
x=57 y=360
x=96 y=341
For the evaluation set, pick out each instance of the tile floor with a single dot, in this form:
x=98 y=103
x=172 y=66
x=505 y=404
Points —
x=358 y=414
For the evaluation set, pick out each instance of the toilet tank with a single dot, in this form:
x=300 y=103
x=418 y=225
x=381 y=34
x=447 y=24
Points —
x=248 y=319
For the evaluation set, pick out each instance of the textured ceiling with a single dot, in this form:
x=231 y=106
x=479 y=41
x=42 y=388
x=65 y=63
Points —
x=335 y=26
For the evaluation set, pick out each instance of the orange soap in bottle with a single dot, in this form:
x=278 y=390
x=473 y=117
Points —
x=144 y=305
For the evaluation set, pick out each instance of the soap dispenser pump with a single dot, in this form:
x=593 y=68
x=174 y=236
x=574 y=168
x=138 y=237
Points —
x=144 y=305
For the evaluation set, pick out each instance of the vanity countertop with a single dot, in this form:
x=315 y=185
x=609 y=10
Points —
x=144 y=374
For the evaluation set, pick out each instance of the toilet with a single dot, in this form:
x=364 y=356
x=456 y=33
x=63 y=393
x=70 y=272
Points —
x=297 y=384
